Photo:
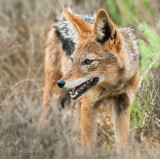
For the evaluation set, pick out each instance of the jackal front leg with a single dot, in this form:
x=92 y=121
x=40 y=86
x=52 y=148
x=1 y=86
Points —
x=88 y=123
x=121 y=121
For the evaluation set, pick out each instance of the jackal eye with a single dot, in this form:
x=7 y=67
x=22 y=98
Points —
x=87 y=61
x=71 y=59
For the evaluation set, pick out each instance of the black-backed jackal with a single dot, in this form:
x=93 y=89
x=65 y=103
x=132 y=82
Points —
x=93 y=60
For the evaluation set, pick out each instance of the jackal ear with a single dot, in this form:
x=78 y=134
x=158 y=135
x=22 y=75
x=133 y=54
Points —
x=104 y=28
x=78 y=26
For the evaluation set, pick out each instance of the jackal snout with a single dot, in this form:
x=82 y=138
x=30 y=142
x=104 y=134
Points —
x=61 y=83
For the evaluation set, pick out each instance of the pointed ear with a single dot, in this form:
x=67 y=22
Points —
x=104 y=28
x=78 y=26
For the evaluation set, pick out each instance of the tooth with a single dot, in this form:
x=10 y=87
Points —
x=76 y=93
x=70 y=92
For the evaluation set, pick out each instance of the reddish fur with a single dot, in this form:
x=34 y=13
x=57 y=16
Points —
x=81 y=26
x=91 y=100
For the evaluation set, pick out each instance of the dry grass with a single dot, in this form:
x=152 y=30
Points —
x=23 y=26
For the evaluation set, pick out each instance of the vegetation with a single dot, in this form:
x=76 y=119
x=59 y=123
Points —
x=150 y=52
x=23 y=26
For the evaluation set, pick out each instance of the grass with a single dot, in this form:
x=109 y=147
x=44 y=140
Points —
x=23 y=26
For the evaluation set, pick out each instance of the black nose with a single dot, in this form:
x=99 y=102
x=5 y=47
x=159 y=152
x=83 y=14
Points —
x=60 y=83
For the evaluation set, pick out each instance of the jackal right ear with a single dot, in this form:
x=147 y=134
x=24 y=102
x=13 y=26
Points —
x=104 y=28
x=78 y=26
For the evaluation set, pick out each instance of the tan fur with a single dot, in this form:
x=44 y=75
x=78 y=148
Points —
x=118 y=76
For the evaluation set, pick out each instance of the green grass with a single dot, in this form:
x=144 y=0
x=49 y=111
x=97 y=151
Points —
x=150 y=52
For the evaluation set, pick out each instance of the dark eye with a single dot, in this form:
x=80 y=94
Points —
x=71 y=59
x=87 y=61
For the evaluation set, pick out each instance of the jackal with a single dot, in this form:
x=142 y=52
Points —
x=93 y=60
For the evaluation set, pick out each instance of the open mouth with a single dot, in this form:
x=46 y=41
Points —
x=82 y=88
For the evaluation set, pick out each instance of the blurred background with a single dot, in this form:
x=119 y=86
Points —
x=23 y=28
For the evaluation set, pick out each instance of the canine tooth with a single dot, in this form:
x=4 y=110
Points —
x=76 y=93
x=70 y=92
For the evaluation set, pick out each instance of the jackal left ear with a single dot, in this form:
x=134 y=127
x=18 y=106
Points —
x=104 y=28
x=78 y=26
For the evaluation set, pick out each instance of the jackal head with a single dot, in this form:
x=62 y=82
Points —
x=96 y=59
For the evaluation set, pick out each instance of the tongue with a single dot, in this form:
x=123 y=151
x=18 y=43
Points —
x=77 y=89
